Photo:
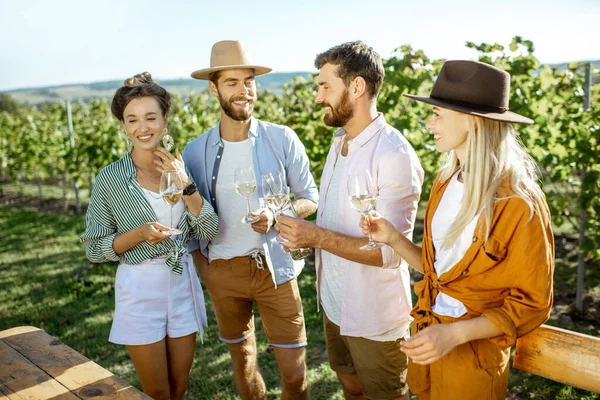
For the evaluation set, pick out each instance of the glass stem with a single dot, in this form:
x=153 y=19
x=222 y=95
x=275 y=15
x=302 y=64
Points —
x=172 y=217
x=248 y=206
x=370 y=238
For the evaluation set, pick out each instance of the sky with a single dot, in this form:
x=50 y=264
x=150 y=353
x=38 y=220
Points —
x=54 y=42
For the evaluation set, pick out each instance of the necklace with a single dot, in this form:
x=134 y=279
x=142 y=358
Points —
x=151 y=194
x=146 y=178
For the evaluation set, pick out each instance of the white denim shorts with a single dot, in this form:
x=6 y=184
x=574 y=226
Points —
x=152 y=302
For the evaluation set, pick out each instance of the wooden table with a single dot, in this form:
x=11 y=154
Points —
x=34 y=365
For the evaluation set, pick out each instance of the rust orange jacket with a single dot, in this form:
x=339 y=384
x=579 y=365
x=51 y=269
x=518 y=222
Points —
x=507 y=278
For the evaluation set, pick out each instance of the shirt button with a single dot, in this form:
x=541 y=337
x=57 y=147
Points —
x=213 y=199
x=218 y=156
x=474 y=239
x=440 y=285
x=214 y=177
x=465 y=272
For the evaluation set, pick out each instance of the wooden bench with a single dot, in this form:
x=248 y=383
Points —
x=37 y=366
x=561 y=355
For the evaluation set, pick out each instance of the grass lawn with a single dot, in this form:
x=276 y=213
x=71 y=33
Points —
x=47 y=282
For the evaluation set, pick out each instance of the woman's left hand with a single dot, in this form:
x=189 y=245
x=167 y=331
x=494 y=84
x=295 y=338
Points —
x=431 y=344
x=166 y=162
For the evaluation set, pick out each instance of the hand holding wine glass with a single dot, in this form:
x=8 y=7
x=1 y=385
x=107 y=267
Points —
x=171 y=190
x=362 y=193
x=245 y=185
x=276 y=194
x=165 y=161
x=378 y=227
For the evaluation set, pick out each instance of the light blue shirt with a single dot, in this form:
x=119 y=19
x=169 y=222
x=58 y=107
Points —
x=276 y=148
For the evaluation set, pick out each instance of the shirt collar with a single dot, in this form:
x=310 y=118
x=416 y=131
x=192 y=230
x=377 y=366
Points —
x=128 y=165
x=375 y=126
x=252 y=132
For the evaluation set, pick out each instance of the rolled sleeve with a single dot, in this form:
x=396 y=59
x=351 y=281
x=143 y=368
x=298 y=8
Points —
x=206 y=225
x=101 y=249
x=400 y=177
x=101 y=228
x=299 y=177
x=529 y=269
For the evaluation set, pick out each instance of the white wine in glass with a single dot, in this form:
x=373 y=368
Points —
x=277 y=196
x=362 y=193
x=245 y=186
x=171 y=190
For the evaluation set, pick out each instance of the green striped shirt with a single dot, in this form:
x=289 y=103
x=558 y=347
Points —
x=118 y=205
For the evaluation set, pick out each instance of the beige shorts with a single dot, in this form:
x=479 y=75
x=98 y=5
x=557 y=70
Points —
x=235 y=285
x=380 y=366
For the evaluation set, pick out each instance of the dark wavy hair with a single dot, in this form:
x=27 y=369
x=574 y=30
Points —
x=141 y=85
x=355 y=59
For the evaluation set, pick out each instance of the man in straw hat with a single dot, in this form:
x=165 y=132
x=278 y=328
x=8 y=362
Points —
x=364 y=290
x=244 y=264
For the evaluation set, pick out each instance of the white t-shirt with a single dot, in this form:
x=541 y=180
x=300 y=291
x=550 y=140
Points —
x=234 y=238
x=446 y=258
x=163 y=210
x=331 y=282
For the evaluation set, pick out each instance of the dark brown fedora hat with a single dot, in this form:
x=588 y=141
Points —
x=474 y=88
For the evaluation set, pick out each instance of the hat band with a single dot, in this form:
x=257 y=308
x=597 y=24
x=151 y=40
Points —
x=477 y=107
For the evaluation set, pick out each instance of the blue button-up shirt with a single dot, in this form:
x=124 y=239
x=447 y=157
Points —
x=276 y=148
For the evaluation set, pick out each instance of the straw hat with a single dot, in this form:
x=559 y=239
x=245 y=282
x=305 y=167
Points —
x=228 y=54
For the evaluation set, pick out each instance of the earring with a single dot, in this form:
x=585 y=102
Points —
x=128 y=143
x=167 y=140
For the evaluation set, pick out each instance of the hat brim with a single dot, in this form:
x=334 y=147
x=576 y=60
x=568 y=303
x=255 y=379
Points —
x=204 y=74
x=507 y=116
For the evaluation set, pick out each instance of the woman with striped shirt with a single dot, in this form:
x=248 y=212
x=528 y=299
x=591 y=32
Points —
x=159 y=304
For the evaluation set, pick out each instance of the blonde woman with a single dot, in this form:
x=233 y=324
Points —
x=488 y=250
x=159 y=304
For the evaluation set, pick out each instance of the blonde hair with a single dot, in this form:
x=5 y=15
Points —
x=494 y=156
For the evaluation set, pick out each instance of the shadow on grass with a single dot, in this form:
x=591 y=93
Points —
x=46 y=283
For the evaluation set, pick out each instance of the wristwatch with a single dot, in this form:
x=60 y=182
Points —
x=189 y=189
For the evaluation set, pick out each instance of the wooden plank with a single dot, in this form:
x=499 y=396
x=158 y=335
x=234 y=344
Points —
x=561 y=355
x=20 y=379
x=73 y=370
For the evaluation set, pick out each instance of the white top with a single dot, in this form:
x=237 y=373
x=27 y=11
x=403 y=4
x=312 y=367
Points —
x=374 y=300
x=334 y=267
x=446 y=258
x=333 y=271
x=163 y=210
x=235 y=238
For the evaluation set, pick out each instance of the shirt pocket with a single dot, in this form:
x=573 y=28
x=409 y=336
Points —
x=492 y=253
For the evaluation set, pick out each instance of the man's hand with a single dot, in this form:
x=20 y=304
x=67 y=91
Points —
x=265 y=221
x=298 y=232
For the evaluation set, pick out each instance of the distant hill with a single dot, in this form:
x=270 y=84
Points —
x=85 y=91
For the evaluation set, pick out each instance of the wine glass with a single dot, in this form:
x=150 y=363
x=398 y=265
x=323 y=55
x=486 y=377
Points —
x=276 y=194
x=171 y=190
x=303 y=252
x=245 y=185
x=362 y=193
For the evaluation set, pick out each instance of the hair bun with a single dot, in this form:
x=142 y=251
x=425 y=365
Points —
x=139 y=80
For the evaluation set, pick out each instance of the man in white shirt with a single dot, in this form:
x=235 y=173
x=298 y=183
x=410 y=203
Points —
x=365 y=294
